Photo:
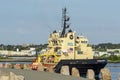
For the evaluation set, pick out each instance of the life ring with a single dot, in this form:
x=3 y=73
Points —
x=71 y=36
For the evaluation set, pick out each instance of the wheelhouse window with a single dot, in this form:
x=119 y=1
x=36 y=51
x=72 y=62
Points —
x=84 y=42
x=79 y=52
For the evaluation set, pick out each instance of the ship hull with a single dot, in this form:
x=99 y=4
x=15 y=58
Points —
x=83 y=65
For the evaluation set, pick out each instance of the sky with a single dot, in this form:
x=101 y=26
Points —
x=31 y=21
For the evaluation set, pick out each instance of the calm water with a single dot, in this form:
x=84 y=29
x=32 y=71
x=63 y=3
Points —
x=114 y=69
x=17 y=62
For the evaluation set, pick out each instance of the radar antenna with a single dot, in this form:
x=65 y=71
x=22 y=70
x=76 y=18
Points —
x=65 y=25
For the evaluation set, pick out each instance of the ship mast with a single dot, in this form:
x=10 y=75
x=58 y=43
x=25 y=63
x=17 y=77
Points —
x=65 y=19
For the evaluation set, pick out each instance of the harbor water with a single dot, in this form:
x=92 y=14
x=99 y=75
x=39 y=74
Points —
x=113 y=67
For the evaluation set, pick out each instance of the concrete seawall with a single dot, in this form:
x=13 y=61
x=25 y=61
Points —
x=28 y=73
x=10 y=76
x=39 y=75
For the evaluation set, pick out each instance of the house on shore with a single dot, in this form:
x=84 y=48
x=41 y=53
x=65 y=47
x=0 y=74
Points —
x=113 y=52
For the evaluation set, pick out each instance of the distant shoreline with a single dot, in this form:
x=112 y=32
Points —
x=31 y=60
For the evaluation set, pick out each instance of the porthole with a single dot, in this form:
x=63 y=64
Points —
x=71 y=36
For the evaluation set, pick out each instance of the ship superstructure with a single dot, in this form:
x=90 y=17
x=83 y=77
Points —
x=67 y=44
x=67 y=48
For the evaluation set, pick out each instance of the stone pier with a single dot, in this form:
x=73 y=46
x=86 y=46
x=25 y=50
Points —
x=105 y=74
x=119 y=76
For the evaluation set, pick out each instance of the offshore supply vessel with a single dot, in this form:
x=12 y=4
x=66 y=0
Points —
x=67 y=48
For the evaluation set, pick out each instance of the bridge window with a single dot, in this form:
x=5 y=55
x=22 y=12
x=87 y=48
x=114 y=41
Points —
x=83 y=41
x=80 y=52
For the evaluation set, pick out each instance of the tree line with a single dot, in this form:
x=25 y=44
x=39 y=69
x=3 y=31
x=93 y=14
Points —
x=38 y=47
x=98 y=47
x=105 y=46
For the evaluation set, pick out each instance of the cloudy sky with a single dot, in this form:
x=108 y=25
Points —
x=31 y=21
